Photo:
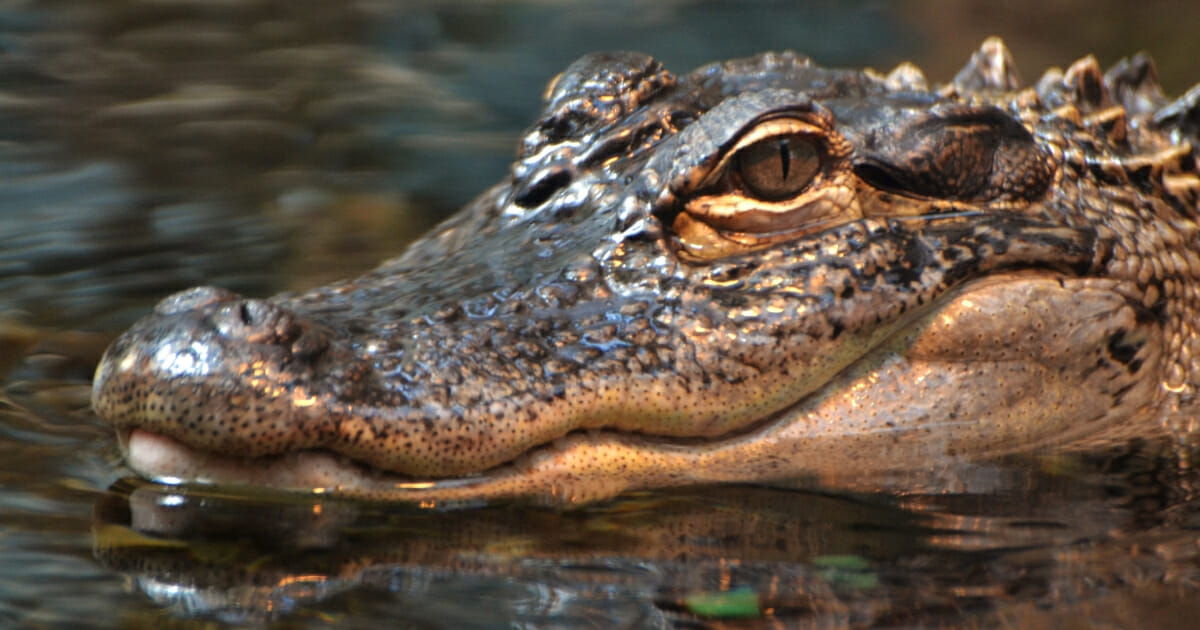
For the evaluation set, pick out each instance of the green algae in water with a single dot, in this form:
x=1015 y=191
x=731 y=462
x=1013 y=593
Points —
x=847 y=570
x=739 y=602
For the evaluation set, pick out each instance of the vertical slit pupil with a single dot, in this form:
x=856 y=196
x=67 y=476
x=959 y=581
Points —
x=774 y=168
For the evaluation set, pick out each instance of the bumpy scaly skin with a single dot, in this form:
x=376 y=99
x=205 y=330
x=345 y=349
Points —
x=973 y=270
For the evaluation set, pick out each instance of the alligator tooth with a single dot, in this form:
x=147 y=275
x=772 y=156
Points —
x=906 y=76
x=1069 y=112
x=1049 y=87
x=991 y=67
x=1087 y=81
x=1161 y=165
x=1028 y=102
x=1184 y=186
x=1112 y=120
x=1186 y=108
x=1133 y=83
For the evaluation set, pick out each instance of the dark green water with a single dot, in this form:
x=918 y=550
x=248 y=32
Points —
x=147 y=146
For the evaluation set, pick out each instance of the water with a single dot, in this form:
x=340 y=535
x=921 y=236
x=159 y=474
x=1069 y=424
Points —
x=148 y=146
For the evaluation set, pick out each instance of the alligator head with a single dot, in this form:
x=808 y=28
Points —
x=761 y=270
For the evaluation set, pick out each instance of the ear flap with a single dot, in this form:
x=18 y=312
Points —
x=958 y=152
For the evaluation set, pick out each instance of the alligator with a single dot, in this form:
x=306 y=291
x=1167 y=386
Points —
x=764 y=270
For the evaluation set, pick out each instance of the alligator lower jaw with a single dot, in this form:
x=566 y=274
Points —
x=577 y=469
x=169 y=461
x=166 y=460
x=549 y=474
x=580 y=467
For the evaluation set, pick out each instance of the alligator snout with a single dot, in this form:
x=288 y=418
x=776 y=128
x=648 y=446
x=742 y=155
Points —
x=196 y=332
x=210 y=371
x=219 y=371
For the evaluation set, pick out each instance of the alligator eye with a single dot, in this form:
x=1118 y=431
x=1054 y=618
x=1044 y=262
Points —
x=780 y=178
x=779 y=167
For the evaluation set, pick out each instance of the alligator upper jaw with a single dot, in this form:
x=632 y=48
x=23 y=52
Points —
x=209 y=365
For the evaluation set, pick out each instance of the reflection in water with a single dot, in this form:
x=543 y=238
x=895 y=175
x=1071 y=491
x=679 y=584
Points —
x=652 y=560
x=147 y=146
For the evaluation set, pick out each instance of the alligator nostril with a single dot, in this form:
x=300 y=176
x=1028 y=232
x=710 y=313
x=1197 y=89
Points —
x=193 y=299
x=267 y=323
x=256 y=321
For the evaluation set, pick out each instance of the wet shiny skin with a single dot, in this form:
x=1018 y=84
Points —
x=762 y=270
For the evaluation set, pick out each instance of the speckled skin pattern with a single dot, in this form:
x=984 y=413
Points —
x=911 y=277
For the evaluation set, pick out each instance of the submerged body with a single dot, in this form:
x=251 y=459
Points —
x=763 y=270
